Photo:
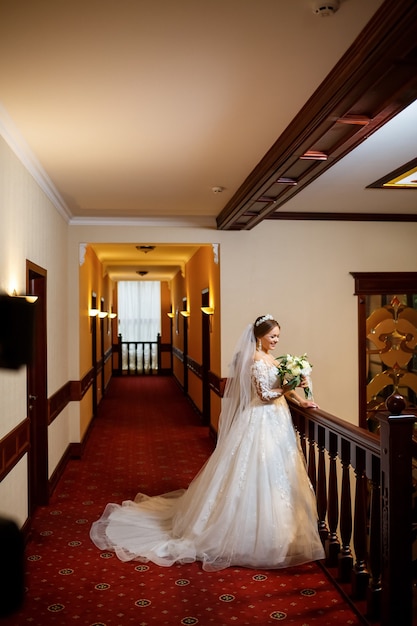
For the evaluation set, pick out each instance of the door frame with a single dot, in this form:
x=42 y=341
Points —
x=206 y=358
x=37 y=401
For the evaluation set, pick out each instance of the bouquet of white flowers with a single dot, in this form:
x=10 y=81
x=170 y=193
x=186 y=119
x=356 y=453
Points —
x=292 y=368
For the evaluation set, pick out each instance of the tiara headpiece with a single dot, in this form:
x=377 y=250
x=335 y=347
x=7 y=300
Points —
x=263 y=319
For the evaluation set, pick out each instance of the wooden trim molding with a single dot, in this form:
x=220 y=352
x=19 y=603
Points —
x=72 y=391
x=342 y=217
x=13 y=446
x=179 y=354
x=80 y=387
x=217 y=384
x=58 y=401
x=59 y=470
x=194 y=367
x=370 y=283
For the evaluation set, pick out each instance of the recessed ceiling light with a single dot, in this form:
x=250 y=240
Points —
x=404 y=177
x=314 y=155
x=286 y=181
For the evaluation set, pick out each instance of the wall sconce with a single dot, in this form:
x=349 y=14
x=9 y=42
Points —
x=93 y=312
x=171 y=315
x=102 y=314
x=208 y=310
x=112 y=315
x=185 y=313
x=28 y=298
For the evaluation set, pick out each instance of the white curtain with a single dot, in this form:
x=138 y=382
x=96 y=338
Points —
x=139 y=313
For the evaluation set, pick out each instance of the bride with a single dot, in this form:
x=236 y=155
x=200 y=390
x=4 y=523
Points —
x=252 y=503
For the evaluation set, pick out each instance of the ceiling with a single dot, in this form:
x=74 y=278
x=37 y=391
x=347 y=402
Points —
x=144 y=261
x=187 y=112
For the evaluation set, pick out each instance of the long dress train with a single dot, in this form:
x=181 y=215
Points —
x=251 y=504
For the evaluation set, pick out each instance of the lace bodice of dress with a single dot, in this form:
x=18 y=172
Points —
x=265 y=382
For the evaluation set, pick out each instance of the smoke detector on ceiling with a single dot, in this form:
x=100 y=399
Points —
x=217 y=189
x=325 y=8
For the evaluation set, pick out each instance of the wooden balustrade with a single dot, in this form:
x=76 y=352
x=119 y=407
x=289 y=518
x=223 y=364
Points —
x=363 y=485
x=139 y=357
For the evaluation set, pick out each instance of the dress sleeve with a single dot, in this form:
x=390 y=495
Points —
x=261 y=383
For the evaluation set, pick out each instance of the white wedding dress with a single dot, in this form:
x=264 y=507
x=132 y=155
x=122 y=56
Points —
x=251 y=504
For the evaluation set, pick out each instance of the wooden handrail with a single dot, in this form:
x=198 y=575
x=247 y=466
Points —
x=367 y=530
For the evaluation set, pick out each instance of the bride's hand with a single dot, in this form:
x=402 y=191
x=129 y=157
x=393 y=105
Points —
x=309 y=404
x=288 y=387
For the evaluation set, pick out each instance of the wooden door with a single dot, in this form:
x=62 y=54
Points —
x=37 y=404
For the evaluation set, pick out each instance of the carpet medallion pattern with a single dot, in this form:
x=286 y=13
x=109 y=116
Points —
x=148 y=438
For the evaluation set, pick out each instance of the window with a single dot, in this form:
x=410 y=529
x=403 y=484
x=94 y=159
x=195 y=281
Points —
x=139 y=310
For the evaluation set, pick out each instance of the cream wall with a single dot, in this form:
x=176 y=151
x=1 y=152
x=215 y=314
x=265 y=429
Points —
x=300 y=273
x=31 y=228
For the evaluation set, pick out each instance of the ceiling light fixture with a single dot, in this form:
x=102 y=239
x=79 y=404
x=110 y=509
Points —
x=145 y=249
x=286 y=181
x=314 y=155
x=356 y=120
x=141 y=272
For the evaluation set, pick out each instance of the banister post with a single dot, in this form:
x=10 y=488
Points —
x=119 y=349
x=159 y=356
x=396 y=518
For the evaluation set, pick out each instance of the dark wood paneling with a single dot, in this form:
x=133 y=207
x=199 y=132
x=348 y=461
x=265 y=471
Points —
x=369 y=283
x=343 y=217
x=13 y=446
x=217 y=384
x=72 y=391
x=58 y=401
x=59 y=470
x=194 y=367
x=80 y=387
x=178 y=354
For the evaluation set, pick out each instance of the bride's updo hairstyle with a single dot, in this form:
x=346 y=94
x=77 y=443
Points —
x=263 y=325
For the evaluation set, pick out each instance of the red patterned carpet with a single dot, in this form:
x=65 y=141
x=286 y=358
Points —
x=148 y=438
